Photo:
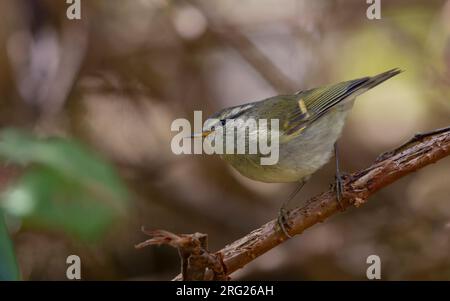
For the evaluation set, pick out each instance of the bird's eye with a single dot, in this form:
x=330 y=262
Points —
x=223 y=121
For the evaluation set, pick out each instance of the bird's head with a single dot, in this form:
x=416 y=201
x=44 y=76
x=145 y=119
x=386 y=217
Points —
x=222 y=118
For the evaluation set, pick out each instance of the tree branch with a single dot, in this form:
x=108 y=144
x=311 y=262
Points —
x=358 y=187
x=418 y=152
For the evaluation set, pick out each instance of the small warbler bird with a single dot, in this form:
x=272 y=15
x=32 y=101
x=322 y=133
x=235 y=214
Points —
x=310 y=122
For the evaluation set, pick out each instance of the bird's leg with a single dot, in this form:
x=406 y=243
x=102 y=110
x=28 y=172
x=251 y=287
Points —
x=339 y=186
x=282 y=214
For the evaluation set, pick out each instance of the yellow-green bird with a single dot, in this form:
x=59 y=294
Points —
x=310 y=122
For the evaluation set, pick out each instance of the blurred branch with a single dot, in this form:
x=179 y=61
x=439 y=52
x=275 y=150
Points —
x=234 y=38
x=46 y=70
x=418 y=152
x=256 y=58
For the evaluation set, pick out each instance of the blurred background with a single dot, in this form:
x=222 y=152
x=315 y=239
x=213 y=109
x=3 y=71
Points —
x=110 y=85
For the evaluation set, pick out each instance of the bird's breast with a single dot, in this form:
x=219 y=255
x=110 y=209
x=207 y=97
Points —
x=299 y=157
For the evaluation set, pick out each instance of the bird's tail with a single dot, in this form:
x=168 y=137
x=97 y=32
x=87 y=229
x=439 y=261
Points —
x=320 y=100
x=358 y=86
x=378 y=79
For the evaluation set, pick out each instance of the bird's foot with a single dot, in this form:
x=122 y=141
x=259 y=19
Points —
x=339 y=188
x=282 y=221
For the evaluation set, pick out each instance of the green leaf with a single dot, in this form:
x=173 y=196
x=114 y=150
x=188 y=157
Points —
x=8 y=265
x=65 y=187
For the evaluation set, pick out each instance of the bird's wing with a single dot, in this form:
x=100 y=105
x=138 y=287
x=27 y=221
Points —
x=313 y=104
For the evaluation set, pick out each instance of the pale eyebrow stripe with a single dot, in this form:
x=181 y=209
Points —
x=239 y=111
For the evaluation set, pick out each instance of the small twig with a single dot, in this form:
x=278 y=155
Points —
x=414 y=139
x=422 y=150
x=196 y=262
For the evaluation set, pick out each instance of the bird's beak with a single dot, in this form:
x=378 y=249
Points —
x=202 y=134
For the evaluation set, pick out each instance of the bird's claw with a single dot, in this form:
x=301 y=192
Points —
x=282 y=218
x=339 y=187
